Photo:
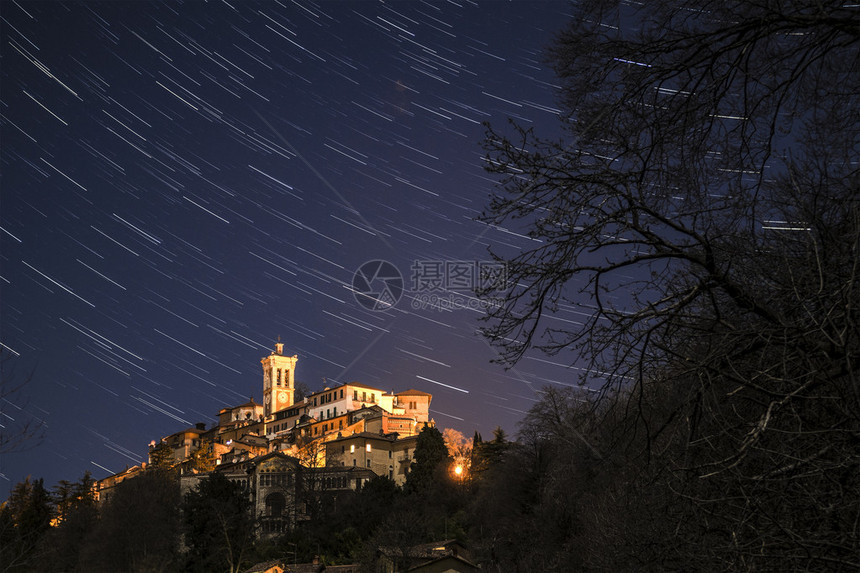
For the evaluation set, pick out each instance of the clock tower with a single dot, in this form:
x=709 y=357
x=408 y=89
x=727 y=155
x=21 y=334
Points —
x=278 y=380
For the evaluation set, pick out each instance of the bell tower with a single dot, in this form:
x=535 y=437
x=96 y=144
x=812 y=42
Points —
x=278 y=380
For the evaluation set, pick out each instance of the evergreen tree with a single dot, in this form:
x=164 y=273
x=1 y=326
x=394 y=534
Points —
x=24 y=520
x=61 y=546
x=84 y=491
x=431 y=461
x=138 y=530
x=203 y=458
x=161 y=456
x=62 y=498
x=486 y=455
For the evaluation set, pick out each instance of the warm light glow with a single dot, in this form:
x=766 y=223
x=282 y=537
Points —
x=458 y=470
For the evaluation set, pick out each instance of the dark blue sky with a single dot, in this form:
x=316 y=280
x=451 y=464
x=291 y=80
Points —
x=182 y=183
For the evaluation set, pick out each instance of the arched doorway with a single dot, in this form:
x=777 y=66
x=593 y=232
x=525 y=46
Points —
x=275 y=504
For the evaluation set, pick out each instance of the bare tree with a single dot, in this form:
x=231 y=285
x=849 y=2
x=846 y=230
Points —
x=701 y=222
x=19 y=430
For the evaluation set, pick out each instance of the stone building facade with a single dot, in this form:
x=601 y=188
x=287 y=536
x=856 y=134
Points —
x=294 y=458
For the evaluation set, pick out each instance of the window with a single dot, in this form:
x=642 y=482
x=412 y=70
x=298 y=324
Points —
x=334 y=412
x=372 y=398
x=352 y=449
x=389 y=454
x=368 y=463
x=341 y=393
x=390 y=472
x=275 y=504
x=279 y=376
x=355 y=395
x=367 y=447
x=343 y=449
x=364 y=396
x=353 y=462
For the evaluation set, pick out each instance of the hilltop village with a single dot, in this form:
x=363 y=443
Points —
x=332 y=442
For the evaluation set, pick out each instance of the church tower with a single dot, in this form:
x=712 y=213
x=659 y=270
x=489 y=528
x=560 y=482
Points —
x=278 y=380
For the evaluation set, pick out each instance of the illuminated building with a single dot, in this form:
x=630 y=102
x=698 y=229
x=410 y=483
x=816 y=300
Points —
x=327 y=444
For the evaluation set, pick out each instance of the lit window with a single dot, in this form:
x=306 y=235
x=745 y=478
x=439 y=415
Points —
x=367 y=447
x=352 y=449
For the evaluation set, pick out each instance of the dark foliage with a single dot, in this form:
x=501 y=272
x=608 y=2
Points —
x=24 y=519
x=703 y=216
x=60 y=548
x=431 y=461
x=218 y=526
x=138 y=529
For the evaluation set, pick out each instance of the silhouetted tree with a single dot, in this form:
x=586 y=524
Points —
x=61 y=546
x=218 y=526
x=24 y=519
x=23 y=430
x=431 y=464
x=161 y=456
x=138 y=529
x=700 y=221
x=62 y=498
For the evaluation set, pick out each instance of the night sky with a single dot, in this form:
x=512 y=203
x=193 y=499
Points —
x=182 y=183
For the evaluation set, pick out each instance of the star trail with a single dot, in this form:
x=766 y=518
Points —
x=183 y=183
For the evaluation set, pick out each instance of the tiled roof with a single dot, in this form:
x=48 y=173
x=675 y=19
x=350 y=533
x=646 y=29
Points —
x=413 y=392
